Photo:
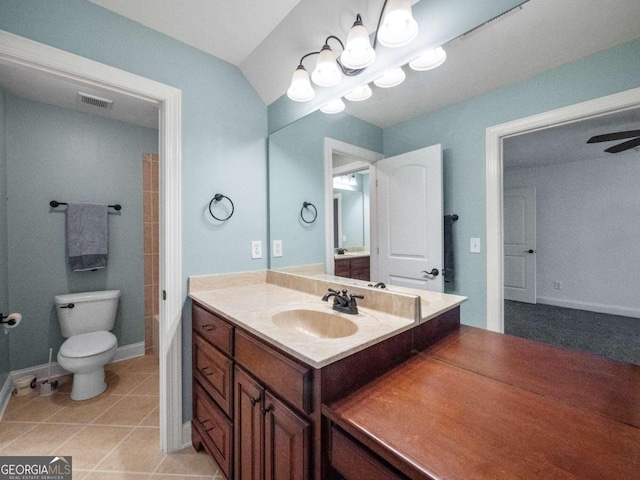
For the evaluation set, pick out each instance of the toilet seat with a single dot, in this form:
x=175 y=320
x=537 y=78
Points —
x=88 y=344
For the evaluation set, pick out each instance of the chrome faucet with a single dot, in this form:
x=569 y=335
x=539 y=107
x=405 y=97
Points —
x=377 y=285
x=342 y=302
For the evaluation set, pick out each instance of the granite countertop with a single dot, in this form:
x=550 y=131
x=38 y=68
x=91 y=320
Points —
x=250 y=300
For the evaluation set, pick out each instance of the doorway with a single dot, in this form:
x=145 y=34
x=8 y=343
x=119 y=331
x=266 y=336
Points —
x=495 y=177
x=16 y=50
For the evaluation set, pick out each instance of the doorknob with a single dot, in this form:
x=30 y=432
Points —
x=529 y=251
x=434 y=272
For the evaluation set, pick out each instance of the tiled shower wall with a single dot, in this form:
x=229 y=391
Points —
x=151 y=249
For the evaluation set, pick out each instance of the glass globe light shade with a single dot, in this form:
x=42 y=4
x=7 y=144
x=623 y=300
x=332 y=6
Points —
x=300 y=89
x=359 y=94
x=358 y=52
x=391 y=78
x=398 y=27
x=428 y=60
x=334 y=106
x=326 y=73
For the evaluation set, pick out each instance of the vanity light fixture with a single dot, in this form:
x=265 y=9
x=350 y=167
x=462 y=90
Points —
x=300 y=89
x=396 y=27
x=391 y=79
x=334 y=106
x=359 y=94
x=429 y=60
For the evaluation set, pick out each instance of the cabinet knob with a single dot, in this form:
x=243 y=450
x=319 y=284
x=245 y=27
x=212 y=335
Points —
x=208 y=429
x=207 y=371
x=266 y=410
x=208 y=327
x=254 y=401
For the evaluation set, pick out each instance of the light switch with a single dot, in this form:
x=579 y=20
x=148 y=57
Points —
x=475 y=245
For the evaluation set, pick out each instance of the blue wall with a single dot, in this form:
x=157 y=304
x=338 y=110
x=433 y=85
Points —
x=461 y=130
x=59 y=154
x=224 y=129
x=4 y=304
x=296 y=175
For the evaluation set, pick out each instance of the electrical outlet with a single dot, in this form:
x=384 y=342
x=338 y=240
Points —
x=557 y=285
x=256 y=249
x=277 y=248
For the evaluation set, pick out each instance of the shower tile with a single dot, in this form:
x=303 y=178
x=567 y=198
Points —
x=155 y=238
x=148 y=237
x=154 y=207
x=148 y=300
x=154 y=174
x=148 y=269
x=155 y=279
x=146 y=175
x=147 y=212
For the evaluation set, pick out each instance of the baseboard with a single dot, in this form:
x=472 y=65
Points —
x=590 y=307
x=186 y=434
x=42 y=371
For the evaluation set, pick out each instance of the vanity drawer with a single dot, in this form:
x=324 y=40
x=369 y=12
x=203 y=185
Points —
x=353 y=461
x=214 y=329
x=292 y=381
x=214 y=429
x=359 y=263
x=214 y=371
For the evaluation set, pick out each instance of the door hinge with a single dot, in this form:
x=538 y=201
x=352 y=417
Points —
x=164 y=294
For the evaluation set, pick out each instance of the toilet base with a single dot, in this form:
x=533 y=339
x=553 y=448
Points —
x=88 y=385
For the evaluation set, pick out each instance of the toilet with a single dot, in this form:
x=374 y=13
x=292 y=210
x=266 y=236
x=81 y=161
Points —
x=85 y=320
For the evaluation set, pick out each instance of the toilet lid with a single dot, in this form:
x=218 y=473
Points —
x=88 y=344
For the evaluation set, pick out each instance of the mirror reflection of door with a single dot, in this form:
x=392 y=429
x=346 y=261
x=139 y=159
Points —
x=410 y=219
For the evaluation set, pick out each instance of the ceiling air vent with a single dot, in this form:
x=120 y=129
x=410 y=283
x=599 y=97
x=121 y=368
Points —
x=95 y=101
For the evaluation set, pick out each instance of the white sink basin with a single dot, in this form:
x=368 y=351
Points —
x=315 y=323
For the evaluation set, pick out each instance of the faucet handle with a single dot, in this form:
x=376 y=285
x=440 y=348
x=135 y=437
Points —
x=356 y=296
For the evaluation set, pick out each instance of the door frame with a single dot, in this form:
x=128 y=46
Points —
x=494 y=181
x=44 y=58
x=361 y=156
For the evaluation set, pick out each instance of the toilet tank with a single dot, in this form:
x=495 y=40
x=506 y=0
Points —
x=86 y=312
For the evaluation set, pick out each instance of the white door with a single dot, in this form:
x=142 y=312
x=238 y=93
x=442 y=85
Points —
x=520 y=244
x=410 y=219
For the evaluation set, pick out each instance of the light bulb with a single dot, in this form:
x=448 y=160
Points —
x=300 y=89
x=358 y=52
x=359 y=94
x=391 y=78
x=428 y=60
x=326 y=73
x=398 y=26
x=334 y=106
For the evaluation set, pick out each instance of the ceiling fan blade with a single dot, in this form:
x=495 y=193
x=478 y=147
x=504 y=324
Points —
x=621 y=147
x=614 y=136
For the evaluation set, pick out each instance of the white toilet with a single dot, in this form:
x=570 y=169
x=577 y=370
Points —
x=85 y=320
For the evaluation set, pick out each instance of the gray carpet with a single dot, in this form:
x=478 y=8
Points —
x=610 y=336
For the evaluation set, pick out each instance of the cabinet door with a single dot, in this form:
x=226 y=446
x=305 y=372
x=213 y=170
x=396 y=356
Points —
x=286 y=444
x=249 y=433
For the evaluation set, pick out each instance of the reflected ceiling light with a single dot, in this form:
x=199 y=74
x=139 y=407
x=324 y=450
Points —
x=326 y=73
x=398 y=27
x=334 y=106
x=428 y=60
x=391 y=78
x=300 y=89
x=359 y=94
x=358 y=52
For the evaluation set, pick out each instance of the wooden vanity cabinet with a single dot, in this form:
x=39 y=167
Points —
x=272 y=441
x=356 y=268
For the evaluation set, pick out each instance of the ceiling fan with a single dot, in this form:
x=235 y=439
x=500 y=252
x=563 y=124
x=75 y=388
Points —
x=634 y=135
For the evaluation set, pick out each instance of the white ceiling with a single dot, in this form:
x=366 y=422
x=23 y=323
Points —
x=266 y=39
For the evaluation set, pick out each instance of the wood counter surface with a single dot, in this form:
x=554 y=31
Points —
x=481 y=405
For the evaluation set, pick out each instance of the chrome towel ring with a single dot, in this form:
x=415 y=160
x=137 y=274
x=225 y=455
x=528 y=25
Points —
x=217 y=198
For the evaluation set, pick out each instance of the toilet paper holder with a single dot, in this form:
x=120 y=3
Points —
x=5 y=320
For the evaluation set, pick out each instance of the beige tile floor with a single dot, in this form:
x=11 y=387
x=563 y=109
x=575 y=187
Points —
x=112 y=436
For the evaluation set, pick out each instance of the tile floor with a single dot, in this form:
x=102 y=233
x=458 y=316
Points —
x=112 y=436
